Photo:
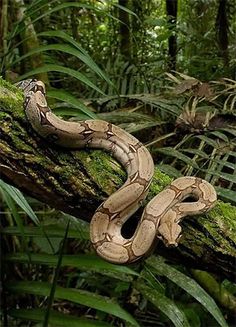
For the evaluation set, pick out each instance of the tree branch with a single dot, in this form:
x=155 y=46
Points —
x=76 y=182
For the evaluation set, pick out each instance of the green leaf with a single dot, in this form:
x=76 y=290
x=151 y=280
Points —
x=130 y=121
x=70 y=99
x=163 y=303
x=158 y=266
x=229 y=130
x=226 y=194
x=64 y=36
x=78 y=296
x=169 y=170
x=37 y=12
x=87 y=59
x=126 y=10
x=72 y=112
x=160 y=103
x=19 y=198
x=78 y=53
x=55 y=278
x=209 y=141
x=64 y=5
x=83 y=262
x=221 y=136
x=226 y=176
x=197 y=152
x=61 y=69
x=56 y=318
x=11 y=205
x=52 y=231
x=192 y=316
x=177 y=154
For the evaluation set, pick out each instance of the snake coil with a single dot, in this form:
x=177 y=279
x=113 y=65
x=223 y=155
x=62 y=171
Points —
x=162 y=214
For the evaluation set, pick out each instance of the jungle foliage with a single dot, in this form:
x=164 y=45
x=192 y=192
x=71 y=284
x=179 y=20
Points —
x=162 y=70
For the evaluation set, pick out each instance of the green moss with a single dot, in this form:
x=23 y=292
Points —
x=11 y=98
x=159 y=182
x=7 y=85
x=17 y=132
x=216 y=231
x=224 y=218
x=4 y=115
x=106 y=172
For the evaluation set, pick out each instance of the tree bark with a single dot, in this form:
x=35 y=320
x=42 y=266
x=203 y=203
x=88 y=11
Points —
x=171 y=11
x=77 y=181
x=222 y=29
x=125 y=37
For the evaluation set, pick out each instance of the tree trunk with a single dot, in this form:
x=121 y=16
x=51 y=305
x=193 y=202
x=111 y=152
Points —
x=222 y=28
x=77 y=181
x=125 y=38
x=30 y=40
x=171 y=11
x=3 y=30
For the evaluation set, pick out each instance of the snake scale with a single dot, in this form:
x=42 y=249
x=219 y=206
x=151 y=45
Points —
x=162 y=214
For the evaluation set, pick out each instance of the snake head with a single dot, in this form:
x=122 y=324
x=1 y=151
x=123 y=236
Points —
x=40 y=86
x=169 y=233
x=31 y=84
x=26 y=83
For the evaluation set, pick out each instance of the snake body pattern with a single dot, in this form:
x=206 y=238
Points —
x=162 y=214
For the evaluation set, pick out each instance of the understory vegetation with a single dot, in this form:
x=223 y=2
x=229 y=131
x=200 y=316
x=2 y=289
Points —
x=164 y=71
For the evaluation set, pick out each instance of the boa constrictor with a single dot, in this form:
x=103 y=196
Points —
x=162 y=214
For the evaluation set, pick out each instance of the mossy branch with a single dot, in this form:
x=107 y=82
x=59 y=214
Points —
x=76 y=182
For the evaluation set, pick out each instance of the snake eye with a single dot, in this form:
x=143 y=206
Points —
x=40 y=86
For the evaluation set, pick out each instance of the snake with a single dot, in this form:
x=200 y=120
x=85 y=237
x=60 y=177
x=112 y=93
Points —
x=185 y=196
